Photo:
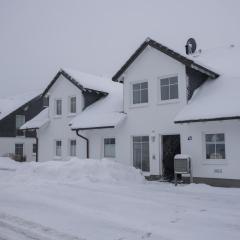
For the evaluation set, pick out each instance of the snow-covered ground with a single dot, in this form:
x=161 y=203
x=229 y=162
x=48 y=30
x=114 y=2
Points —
x=99 y=199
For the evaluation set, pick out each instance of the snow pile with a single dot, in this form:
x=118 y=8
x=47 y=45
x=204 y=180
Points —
x=214 y=99
x=79 y=170
x=38 y=121
x=7 y=163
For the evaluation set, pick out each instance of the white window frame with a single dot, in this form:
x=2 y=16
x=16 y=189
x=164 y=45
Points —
x=109 y=137
x=160 y=101
x=132 y=152
x=55 y=107
x=70 y=149
x=131 y=93
x=18 y=127
x=69 y=105
x=55 y=149
x=206 y=161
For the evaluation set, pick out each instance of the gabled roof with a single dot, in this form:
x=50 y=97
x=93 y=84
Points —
x=105 y=113
x=171 y=53
x=38 y=121
x=11 y=104
x=85 y=82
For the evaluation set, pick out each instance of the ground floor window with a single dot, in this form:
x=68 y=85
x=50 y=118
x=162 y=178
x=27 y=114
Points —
x=72 y=149
x=34 y=148
x=58 y=148
x=19 y=149
x=215 y=146
x=141 y=153
x=109 y=147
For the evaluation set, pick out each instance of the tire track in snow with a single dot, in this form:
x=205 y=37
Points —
x=25 y=229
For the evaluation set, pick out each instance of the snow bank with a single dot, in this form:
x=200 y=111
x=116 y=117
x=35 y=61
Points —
x=91 y=170
x=7 y=163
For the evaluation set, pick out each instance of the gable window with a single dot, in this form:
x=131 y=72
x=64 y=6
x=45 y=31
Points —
x=73 y=105
x=215 y=146
x=20 y=120
x=46 y=101
x=58 y=107
x=141 y=153
x=169 y=88
x=72 y=149
x=140 y=93
x=58 y=148
x=109 y=147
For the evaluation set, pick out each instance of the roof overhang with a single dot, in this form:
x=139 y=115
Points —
x=61 y=72
x=207 y=120
x=171 y=53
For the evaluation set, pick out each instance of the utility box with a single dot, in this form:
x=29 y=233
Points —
x=182 y=165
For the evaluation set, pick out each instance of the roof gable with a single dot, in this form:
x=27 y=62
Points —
x=171 y=53
x=74 y=81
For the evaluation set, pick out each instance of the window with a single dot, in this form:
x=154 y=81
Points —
x=73 y=104
x=20 y=120
x=109 y=147
x=140 y=93
x=215 y=146
x=58 y=107
x=19 y=149
x=46 y=101
x=34 y=148
x=58 y=152
x=73 y=144
x=141 y=153
x=169 y=88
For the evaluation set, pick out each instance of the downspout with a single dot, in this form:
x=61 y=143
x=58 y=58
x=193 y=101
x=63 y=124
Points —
x=36 y=137
x=86 y=139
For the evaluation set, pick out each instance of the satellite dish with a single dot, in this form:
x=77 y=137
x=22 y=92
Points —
x=191 y=46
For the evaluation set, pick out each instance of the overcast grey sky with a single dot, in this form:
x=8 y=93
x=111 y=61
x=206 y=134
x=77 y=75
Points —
x=40 y=36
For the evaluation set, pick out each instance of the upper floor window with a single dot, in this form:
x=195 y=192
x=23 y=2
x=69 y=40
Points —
x=72 y=147
x=73 y=105
x=140 y=93
x=20 y=120
x=58 y=106
x=109 y=147
x=215 y=146
x=169 y=88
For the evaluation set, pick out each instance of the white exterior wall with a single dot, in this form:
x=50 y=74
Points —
x=152 y=119
x=7 y=145
x=227 y=168
x=58 y=128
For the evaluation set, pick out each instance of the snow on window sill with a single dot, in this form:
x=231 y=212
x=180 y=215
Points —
x=71 y=114
x=57 y=158
x=57 y=116
x=172 y=101
x=139 y=105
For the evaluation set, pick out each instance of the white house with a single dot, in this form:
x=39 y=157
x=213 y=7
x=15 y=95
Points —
x=170 y=103
x=14 y=111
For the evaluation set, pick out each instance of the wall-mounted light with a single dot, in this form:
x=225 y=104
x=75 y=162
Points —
x=189 y=138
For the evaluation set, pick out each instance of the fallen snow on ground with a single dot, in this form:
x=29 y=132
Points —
x=100 y=199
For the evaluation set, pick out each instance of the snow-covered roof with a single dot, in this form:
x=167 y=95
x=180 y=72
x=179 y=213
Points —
x=38 y=121
x=11 y=104
x=215 y=99
x=106 y=112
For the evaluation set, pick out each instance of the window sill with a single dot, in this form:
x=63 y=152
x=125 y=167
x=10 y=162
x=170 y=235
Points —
x=72 y=115
x=215 y=162
x=140 y=105
x=173 y=101
x=57 y=158
x=57 y=116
